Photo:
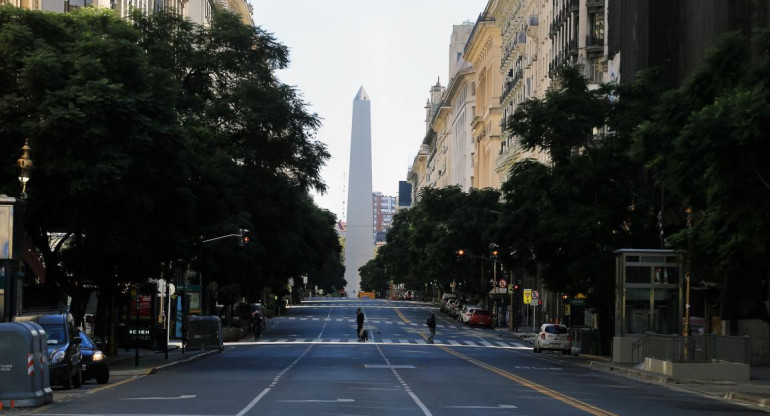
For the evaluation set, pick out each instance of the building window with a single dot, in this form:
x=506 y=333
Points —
x=597 y=29
x=595 y=73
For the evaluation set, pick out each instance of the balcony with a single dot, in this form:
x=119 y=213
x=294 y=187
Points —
x=594 y=3
x=573 y=47
x=574 y=5
x=594 y=44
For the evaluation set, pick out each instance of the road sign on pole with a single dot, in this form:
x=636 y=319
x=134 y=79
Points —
x=535 y=295
x=527 y=296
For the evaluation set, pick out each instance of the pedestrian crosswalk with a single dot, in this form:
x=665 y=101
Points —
x=397 y=341
x=370 y=322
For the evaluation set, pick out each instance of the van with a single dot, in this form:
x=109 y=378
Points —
x=63 y=341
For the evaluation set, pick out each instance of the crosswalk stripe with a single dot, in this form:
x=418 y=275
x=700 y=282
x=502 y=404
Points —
x=404 y=341
x=516 y=344
x=503 y=344
x=453 y=342
x=486 y=344
x=386 y=340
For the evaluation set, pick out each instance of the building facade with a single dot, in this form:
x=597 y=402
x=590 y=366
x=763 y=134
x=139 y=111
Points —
x=383 y=208
x=484 y=51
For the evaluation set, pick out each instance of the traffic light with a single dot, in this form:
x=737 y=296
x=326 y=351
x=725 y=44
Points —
x=459 y=254
x=243 y=237
x=493 y=251
x=516 y=286
x=564 y=298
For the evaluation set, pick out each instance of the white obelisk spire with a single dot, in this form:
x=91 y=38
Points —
x=359 y=233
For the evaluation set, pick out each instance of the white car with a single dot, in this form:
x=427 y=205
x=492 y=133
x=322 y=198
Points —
x=553 y=337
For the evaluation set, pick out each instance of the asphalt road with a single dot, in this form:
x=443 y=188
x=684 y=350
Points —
x=310 y=363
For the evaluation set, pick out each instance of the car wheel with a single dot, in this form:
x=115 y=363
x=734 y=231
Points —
x=103 y=377
x=78 y=379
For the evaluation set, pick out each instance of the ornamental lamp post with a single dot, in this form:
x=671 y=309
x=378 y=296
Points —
x=25 y=166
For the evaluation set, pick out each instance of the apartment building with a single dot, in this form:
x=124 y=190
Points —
x=483 y=51
x=198 y=11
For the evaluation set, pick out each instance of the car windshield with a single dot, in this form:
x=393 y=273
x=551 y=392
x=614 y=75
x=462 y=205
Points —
x=556 y=329
x=54 y=334
x=481 y=312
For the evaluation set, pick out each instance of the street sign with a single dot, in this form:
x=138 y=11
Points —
x=535 y=295
x=503 y=283
x=527 y=296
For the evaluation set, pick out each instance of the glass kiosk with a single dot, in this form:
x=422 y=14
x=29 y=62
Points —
x=648 y=298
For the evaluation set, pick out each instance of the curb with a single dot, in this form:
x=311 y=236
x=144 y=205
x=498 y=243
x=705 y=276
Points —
x=170 y=365
x=748 y=398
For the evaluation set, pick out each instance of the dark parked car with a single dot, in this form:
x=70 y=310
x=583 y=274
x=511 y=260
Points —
x=94 y=364
x=63 y=339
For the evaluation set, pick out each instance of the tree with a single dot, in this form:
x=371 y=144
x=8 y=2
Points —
x=564 y=221
x=708 y=144
x=110 y=160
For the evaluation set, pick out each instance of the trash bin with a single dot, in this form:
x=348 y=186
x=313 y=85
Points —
x=24 y=378
x=205 y=332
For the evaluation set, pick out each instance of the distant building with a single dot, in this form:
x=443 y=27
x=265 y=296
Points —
x=383 y=207
x=404 y=194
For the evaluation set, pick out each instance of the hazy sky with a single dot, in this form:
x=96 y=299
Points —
x=395 y=49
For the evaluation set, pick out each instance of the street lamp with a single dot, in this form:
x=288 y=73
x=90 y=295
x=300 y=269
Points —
x=25 y=166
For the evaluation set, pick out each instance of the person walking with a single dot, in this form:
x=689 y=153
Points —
x=256 y=324
x=360 y=323
x=432 y=326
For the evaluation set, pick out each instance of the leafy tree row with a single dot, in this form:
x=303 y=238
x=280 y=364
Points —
x=627 y=164
x=150 y=134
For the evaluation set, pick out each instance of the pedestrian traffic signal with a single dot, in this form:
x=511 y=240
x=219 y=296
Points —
x=243 y=237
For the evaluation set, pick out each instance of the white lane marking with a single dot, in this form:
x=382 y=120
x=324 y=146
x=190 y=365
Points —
x=184 y=396
x=317 y=401
x=404 y=341
x=414 y=397
x=499 y=406
x=386 y=341
x=339 y=319
x=335 y=340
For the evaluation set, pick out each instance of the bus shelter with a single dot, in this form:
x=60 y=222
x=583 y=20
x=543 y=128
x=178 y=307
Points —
x=649 y=297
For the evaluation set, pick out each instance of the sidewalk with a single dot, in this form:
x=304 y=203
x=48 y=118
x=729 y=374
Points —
x=150 y=361
x=756 y=391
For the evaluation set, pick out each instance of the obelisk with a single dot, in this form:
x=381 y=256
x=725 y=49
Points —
x=359 y=232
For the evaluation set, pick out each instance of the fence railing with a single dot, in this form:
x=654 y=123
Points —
x=692 y=349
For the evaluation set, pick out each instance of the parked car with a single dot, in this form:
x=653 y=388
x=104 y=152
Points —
x=94 y=361
x=63 y=339
x=553 y=337
x=480 y=317
x=465 y=315
x=447 y=308
x=445 y=298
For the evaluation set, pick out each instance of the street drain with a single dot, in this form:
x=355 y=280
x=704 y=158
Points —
x=388 y=366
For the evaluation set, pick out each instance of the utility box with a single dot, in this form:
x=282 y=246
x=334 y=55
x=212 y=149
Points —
x=205 y=333
x=24 y=378
x=11 y=231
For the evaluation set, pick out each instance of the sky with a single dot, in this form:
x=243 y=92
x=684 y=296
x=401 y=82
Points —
x=395 y=49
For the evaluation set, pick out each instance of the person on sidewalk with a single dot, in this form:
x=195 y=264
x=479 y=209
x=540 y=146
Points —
x=432 y=326
x=360 y=324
